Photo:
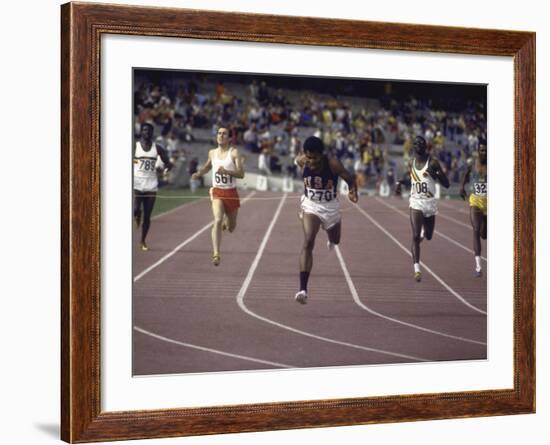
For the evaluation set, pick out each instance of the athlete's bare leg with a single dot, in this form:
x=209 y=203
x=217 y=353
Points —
x=429 y=227
x=311 y=225
x=334 y=233
x=218 y=212
x=148 y=205
x=231 y=220
x=476 y=218
x=479 y=224
x=417 y=219
x=138 y=200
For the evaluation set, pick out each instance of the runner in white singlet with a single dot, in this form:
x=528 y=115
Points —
x=226 y=165
x=145 y=187
x=424 y=171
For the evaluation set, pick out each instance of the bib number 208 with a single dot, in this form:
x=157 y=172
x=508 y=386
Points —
x=421 y=187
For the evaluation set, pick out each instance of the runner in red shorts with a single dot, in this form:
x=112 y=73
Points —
x=226 y=165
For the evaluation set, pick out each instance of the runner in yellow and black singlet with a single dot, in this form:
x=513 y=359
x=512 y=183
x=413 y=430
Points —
x=476 y=174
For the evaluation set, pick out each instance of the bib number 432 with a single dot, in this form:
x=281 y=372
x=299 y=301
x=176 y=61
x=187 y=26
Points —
x=480 y=188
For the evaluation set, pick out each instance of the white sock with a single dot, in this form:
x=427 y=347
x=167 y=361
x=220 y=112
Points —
x=478 y=263
x=416 y=267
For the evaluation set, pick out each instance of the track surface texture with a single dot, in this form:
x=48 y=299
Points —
x=364 y=306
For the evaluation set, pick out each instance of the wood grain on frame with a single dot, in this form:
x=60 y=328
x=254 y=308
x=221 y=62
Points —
x=82 y=25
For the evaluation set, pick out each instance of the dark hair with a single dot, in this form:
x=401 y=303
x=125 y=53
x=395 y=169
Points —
x=147 y=124
x=420 y=141
x=314 y=145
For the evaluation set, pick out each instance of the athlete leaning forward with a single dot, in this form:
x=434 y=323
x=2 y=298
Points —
x=227 y=165
x=476 y=174
x=424 y=171
x=319 y=205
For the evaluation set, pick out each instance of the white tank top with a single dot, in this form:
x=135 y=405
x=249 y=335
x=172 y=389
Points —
x=422 y=184
x=145 y=174
x=223 y=181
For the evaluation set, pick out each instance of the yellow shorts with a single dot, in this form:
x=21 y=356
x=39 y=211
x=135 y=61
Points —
x=480 y=202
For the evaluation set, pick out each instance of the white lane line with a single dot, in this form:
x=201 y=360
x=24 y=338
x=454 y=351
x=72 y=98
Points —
x=358 y=301
x=451 y=207
x=442 y=235
x=248 y=279
x=213 y=351
x=445 y=285
x=181 y=246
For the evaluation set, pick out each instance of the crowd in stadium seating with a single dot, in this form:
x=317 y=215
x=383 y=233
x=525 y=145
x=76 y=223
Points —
x=273 y=122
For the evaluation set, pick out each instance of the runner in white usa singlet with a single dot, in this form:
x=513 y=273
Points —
x=319 y=206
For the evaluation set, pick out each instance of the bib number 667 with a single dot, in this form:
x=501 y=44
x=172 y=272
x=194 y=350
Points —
x=223 y=179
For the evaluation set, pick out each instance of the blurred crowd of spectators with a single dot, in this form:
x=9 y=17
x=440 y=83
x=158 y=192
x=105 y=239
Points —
x=374 y=141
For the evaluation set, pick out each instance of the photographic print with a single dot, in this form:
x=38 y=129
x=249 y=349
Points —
x=285 y=221
x=239 y=232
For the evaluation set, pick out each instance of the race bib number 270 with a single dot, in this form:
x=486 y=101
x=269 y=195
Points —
x=320 y=195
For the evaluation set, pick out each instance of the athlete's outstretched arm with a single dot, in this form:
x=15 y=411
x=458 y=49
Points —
x=437 y=173
x=164 y=156
x=338 y=169
x=204 y=169
x=405 y=181
x=239 y=164
x=465 y=180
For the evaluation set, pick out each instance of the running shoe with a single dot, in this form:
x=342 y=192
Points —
x=301 y=297
x=216 y=260
x=143 y=246
x=418 y=276
x=330 y=246
x=478 y=273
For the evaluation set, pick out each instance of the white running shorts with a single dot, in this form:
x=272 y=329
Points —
x=145 y=184
x=428 y=206
x=328 y=212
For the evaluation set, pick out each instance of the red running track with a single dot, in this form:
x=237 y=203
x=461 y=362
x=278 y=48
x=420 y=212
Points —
x=364 y=306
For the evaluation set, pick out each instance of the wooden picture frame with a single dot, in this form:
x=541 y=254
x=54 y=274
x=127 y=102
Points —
x=82 y=26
